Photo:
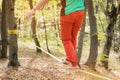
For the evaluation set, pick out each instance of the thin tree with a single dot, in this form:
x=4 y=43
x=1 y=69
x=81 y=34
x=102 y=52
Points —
x=33 y=27
x=111 y=13
x=91 y=62
x=46 y=36
x=80 y=39
x=0 y=32
x=55 y=25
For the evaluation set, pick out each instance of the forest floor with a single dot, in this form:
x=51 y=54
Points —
x=36 y=66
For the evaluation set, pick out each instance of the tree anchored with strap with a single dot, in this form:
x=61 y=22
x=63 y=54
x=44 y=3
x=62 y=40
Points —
x=9 y=27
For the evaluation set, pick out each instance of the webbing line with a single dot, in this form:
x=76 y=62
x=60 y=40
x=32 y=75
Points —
x=85 y=72
x=48 y=53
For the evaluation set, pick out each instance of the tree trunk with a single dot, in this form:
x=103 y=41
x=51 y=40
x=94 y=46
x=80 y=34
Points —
x=46 y=37
x=55 y=28
x=112 y=15
x=4 y=30
x=80 y=39
x=91 y=62
x=33 y=27
x=13 y=44
x=0 y=33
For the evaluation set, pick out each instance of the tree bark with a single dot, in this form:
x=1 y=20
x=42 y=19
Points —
x=91 y=62
x=80 y=39
x=13 y=42
x=112 y=15
x=33 y=27
x=4 y=30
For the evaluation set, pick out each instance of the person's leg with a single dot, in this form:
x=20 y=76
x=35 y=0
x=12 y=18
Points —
x=79 y=15
x=66 y=23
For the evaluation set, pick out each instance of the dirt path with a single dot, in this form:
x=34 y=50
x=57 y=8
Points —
x=43 y=68
x=35 y=66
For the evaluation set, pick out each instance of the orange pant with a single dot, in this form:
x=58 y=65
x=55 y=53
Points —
x=70 y=25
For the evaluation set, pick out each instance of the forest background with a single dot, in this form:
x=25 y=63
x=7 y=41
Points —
x=98 y=39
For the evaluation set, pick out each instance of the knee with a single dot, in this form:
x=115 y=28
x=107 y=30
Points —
x=66 y=41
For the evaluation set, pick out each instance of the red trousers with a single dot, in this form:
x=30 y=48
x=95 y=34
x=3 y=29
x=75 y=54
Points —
x=70 y=25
